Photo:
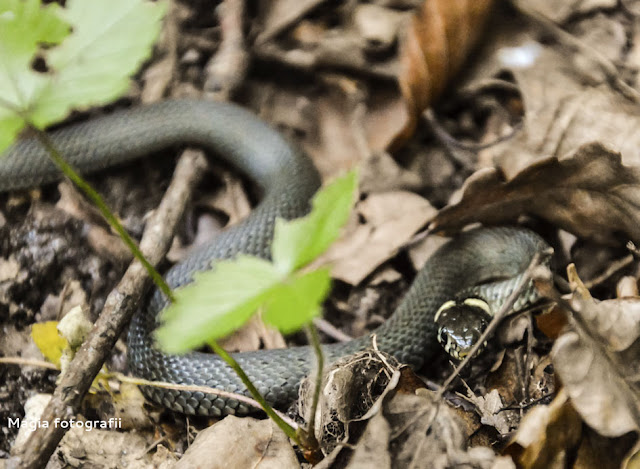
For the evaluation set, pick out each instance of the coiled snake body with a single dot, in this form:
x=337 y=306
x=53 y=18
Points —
x=288 y=180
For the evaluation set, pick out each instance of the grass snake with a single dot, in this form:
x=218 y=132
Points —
x=288 y=180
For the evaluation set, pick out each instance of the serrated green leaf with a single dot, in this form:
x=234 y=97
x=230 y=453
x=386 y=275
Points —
x=10 y=125
x=300 y=241
x=296 y=302
x=217 y=303
x=24 y=26
x=110 y=40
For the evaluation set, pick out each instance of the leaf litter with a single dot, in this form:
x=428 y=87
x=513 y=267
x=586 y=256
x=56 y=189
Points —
x=571 y=161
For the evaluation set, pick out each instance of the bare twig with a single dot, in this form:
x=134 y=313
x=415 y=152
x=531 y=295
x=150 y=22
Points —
x=99 y=202
x=448 y=140
x=28 y=362
x=159 y=76
x=226 y=71
x=615 y=267
x=497 y=318
x=278 y=20
x=118 y=309
x=332 y=331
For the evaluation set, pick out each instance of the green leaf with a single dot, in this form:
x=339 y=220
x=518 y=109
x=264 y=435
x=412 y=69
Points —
x=110 y=40
x=298 y=242
x=221 y=300
x=217 y=303
x=296 y=302
x=24 y=25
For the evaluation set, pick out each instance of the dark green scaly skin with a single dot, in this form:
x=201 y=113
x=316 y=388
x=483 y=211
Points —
x=289 y=180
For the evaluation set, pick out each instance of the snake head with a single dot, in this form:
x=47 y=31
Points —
x=460 y=325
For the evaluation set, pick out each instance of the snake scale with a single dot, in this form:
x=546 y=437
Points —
x=288 y=181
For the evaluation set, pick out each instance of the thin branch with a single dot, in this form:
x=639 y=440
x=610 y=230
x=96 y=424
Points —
x=28 y=362
x=332 y=331
x=120 y=305
x=228 y=68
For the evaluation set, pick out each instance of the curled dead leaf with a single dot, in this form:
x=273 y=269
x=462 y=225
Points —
x=441 y=34
x=240 y=442
x=617 y=321
x=589 y=193
x=597 y=361
x=547 y=435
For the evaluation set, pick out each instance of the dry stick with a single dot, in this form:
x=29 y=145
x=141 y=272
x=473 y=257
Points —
x=227 y=70
x=332 y=331
x=615 y=267
x=28 y=362
x=498 y=317
x=120 y=305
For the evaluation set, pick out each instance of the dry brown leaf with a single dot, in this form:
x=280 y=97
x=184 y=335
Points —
x=435 y=45
x=252 y=335
x=104 y=448
x=490 y=408
x=616 y=321
x=384 y=417
x=240 y=442
x=566 y=94
x=605 y=399
x=391 y=219
x=231 y=199
x=589 y=193
x=547 y=436
x=9 y=269
x=597 y=361
x=554 y=437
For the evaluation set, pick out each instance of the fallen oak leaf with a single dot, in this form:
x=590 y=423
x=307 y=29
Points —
x=617 y=321
x=589 y=193
x=597 y=361
x=604 y=397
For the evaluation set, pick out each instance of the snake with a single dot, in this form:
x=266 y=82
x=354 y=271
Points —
x=477 y=269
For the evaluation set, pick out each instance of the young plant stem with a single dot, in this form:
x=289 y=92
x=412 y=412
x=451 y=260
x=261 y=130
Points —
x=286 y=428
x=108 y=215
x=309 y=432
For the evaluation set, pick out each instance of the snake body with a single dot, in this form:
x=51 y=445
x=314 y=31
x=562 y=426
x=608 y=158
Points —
x=288 y=180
